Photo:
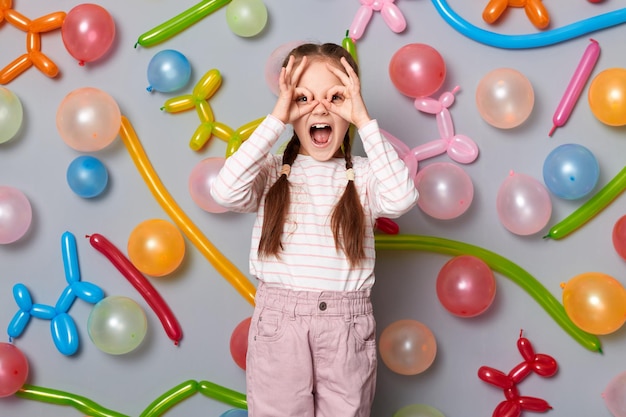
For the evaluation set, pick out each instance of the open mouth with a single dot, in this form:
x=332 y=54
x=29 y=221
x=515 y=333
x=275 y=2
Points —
x=320 y=133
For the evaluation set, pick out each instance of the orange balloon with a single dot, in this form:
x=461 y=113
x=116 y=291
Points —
x=607 y=96
x=156 y=247
x=407 y=347
x=595 y=302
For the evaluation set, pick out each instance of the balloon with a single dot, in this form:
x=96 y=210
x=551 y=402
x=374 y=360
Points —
x=170 y=398
x=619 y=237
x=614 y=395
x=459 y=147
x=274 y=64
x=246 y=18
x=417 y=70
x=407 y=347
x=225 y=395
x=446 y=191
x=210 y=252
x=571 y=171
x=15 y=214
x=141 y=284
x=200 y=183
x=523 y=204
x=117 y=325
x=418 y=410
x=390 y=12
x=590 y=208
x=239 y=343
x=348 y=44
x=179 y=22
x=88 y=32
x=168 y=71
x=607 y=96
x=533 y=40
x=505 y=98
x=88 y=119
x=498 y=264
x=535 y=11
x=87 y=176
x=576 y=85
x=466 y=286
x=156 y=247
x=235 y=413
x=13 y=369
x=596 y=302
x=11 y=114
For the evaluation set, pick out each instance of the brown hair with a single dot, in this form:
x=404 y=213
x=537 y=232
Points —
x=348 y=218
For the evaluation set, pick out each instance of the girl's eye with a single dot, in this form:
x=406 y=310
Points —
x=336 y=97
x=301 y=99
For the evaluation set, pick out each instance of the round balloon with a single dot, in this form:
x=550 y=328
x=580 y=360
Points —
x=418 y=410
x=16 y=214
x=200 y=183
x=523 y=204
x=156 y=247
x=466 y=286
x=619 y=237
x=614 y=395
x=505 y=98
x=417 y=70
x=246 y=18
x=235 y=412
x=595 y=302
x=13 y=369
x=11 y=114
x=407 y=347
x=117 y=325
x=446 y=191
x=168 y=71
x=87 y=176
x=239 y=343
x=88 y=119
x=88 y=32
x=571 y=171
x=607 y=96
x=274 y=64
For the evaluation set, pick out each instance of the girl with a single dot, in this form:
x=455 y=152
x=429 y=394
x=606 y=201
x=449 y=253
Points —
x=311 y=347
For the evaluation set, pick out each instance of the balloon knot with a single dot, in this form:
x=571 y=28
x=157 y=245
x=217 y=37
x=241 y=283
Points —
x=81 y=63
x=562 y=285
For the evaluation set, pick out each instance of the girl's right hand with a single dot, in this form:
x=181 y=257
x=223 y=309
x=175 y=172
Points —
x=293 y=102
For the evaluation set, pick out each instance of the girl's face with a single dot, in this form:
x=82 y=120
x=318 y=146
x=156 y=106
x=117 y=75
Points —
x=321 y=133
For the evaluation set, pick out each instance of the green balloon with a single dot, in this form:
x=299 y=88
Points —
x=117 y=325
x=418 y=410
x=11 y=114
x=246 y=18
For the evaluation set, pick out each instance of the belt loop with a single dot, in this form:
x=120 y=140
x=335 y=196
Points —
x=292 y=304
x=347 y=310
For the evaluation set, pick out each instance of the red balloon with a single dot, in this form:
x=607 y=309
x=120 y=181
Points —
x=417 y=70
x=494 y=377
x=13 y=369
x=239 y=343
x=88 y=32
x=619 y=237
x=466 y=286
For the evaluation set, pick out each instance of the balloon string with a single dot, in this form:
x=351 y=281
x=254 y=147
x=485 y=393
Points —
x=534 y=40
x=499 y=264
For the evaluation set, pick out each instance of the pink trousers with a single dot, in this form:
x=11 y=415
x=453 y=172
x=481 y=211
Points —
x=311 y=354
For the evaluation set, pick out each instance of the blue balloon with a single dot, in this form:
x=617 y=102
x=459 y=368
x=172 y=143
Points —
x=571 y=171
x=235 y=412
x=168 y=71
x=87 y=176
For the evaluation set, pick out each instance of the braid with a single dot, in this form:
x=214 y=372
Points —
x=348 y=219
x=277 y=204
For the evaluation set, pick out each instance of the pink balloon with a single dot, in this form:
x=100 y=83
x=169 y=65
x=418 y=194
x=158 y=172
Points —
x=200 y=183
x=619 y=237
x=407 y=347
x=445 y=189
x=275 y=63
x=88 y=32
x=417 y=70
x=88 y=119
x=523 y=204
x=614 y=395
x=13 y=369
x=15 y=214
x=466 y=286
x=505 y=98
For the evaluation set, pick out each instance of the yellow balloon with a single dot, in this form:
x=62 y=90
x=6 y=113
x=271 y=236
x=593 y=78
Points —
x=607 y=96
x=156 y=247
x=595 y=302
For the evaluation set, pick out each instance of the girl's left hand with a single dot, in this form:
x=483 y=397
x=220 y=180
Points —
x=346 y=100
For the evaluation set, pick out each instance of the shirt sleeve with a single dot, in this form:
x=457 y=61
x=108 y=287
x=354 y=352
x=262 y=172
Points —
x=240 y=183
x=391 y=189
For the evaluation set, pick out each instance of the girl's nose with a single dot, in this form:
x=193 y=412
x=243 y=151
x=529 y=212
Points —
x=320 y=109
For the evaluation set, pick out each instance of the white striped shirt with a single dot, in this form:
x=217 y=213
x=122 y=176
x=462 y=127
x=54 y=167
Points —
x=309 y=260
